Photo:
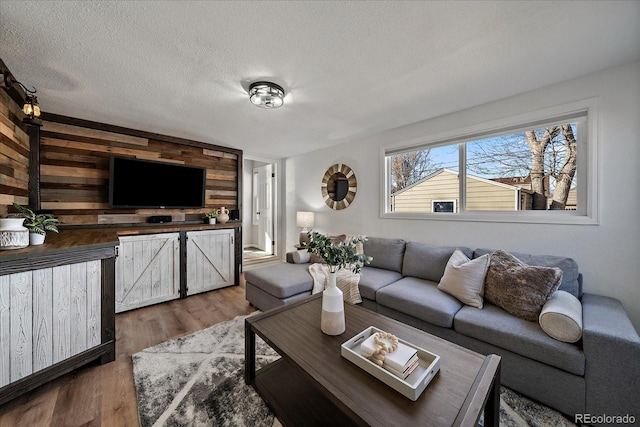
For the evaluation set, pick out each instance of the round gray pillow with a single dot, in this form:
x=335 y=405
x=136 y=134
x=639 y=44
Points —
x=301 y=257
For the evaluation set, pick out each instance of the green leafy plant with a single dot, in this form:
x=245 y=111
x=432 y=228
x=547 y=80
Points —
x=37 y=223
x=337 y=254
x=210 y=215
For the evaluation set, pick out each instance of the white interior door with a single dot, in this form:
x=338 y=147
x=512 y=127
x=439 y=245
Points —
x=264 y=206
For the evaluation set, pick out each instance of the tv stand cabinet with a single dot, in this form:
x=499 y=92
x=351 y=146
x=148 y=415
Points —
x=162 y=266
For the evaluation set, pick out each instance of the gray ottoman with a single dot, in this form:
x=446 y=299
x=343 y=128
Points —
x=276 y=285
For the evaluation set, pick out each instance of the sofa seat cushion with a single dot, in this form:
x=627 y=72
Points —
x=495 y=326
x=281 y=280
x=421 y=299
x=373 y=279
x=428 y=261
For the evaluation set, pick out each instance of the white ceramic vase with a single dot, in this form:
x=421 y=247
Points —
x=332 y=318
x=13 y=235
x=223 y=215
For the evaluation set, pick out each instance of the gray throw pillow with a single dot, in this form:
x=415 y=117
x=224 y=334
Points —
x=518 y=288
x=464 y=278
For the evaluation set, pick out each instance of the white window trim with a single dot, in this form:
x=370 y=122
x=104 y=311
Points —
x=588 y=161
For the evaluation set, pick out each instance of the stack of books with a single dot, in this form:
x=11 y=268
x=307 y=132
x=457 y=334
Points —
x=400 y=362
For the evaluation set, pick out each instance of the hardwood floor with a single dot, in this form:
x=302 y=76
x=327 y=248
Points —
x=105 y=395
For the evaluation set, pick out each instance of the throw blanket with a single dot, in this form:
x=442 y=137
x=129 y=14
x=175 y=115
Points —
x=346 y=280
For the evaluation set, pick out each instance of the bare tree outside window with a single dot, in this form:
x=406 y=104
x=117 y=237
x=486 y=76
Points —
x=543 y=158
x=409 y=168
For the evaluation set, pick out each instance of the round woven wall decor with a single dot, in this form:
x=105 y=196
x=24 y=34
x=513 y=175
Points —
x=339 y=186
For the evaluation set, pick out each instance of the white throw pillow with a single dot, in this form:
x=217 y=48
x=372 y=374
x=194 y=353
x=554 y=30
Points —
x=300 y=257
x=359 y=245
x=561 y=317
x=464 y=278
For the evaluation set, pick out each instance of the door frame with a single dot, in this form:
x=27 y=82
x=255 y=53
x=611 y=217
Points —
x=263 y=176
x=277 y=194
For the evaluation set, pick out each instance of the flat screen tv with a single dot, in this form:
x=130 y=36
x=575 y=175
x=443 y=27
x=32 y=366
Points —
x=136 y=183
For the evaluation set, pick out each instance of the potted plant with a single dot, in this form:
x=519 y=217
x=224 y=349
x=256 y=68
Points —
x=37 y=224
x=337 y=255
x=211 y=216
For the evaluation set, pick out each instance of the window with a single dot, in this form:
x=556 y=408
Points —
x=529 y=171
x=420 y=177
x=443 y=206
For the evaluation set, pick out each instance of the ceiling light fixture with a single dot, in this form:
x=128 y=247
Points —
x=266 y=95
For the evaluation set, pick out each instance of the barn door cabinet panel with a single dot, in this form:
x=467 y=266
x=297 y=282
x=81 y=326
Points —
x=47 y=316
x=147 y=270
x=56 y=309
x=210 y=260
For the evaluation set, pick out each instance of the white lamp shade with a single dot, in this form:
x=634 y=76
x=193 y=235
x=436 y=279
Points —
x=305 y=219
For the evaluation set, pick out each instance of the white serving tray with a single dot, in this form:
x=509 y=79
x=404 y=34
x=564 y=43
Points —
x=411 y=387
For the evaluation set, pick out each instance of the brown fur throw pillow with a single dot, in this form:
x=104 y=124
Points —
x=518 y=288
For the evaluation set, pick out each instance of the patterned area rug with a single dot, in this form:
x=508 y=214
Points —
x=198 y=380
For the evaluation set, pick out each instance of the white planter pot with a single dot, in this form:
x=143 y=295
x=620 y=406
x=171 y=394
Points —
x=212 y=220
x=36 y=239
x=13 y=235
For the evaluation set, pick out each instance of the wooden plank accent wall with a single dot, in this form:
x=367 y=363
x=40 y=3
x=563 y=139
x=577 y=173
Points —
x=14 y=155
x=74 y=170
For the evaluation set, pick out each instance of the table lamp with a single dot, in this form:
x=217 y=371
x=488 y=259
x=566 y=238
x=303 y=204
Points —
x=304 y=220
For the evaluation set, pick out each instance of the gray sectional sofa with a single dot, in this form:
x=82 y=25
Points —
x=600 y=374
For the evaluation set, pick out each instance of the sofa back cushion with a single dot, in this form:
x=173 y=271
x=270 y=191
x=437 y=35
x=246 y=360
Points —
x=428 y=261
x=386 y=253
x=571 y=281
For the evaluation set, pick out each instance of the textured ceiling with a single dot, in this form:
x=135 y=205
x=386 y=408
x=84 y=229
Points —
x=350 y=69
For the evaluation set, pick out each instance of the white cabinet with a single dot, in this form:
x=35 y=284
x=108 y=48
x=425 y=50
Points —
x=147 y=270
x=47 y=316
x=210 y=260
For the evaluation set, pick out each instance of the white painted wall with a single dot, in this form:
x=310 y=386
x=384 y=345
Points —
x=608 y=254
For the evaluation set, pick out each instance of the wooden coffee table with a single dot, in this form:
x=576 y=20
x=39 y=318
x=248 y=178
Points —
x=312 y=384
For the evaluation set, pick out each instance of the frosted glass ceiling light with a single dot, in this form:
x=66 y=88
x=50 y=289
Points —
x=266 y=95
